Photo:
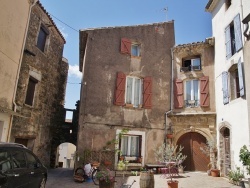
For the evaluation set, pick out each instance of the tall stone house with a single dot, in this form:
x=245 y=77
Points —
x=126 y=85
x=41 y=87
x=192 y=119
x=231 y=63
x=14 y=19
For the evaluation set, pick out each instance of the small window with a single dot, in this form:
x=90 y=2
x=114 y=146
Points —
x=233 y=37
x=130 y=145
x=31 y=91
x=135 y=50
x=133 y=91
x=42 y=37
x=192 y=93
x=191 y=64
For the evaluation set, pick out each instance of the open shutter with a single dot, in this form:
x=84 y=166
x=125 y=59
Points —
x=225 y=87
x=120 y=89
x=147 y=92
x=228 y=42
x=204 y=91
x=125 y=46
x=241 y=79
x=237 y=31
x=178 y=95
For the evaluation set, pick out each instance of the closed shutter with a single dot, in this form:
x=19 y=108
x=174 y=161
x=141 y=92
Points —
x=237 y=31
x=178 y=94
x=147 y=92
x=228 y=43
x=241 y=79
x=225 y=87
x=204 y=91
x=120 y=89
x=125 y=46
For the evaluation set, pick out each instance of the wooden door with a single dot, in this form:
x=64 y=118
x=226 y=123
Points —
x=196 y=160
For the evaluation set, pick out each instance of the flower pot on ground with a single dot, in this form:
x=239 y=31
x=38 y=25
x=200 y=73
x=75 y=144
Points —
x=215 y=173
x=106 y=179
x=235 y=176
x=171 y=156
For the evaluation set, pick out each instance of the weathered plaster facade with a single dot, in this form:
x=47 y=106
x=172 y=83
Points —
x=188 y=117
x=100 y=61
x=14 y=18
x=49 y=70
x=232 y=112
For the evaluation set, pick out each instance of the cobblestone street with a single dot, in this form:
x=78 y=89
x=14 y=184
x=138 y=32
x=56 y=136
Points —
x=63 y=178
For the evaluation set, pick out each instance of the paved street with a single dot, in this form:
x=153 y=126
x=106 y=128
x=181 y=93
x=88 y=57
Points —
x=63 y=178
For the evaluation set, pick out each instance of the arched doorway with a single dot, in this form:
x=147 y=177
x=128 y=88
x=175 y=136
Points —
x=196 y=160
x=225 y=152
x=65 y=155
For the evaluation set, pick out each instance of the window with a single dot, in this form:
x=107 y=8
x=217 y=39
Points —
x=31 y=160
x=131 y=145
x=5 y=164
x=191 y=64
x=233 y=37
x=192 y=93
x=196 y=93
x=42 y=36
x=133 y=91
x=18 y=159
x=130 y=48
x=31 y=91
x=233 y=83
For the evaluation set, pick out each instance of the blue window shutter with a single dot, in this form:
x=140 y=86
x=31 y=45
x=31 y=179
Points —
x=225 y=87
x=228 y=43
x=241 y=81
x=237 y=31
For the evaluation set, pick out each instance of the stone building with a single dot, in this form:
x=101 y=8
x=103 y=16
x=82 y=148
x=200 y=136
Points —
x=41 y=87
x=192 y=121
x=14 y=19
x=126 y=84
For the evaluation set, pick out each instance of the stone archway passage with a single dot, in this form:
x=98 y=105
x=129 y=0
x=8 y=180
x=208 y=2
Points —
x=196 y=160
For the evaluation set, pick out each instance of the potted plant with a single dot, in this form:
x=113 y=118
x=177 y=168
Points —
x=106 y=179
x=245 y=159
x=170 y=155
x=210 y=149
x=235 y=176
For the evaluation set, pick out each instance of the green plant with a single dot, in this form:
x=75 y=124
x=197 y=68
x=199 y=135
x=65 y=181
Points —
x=167 y=153
x=245 y=158
x=235 y=175
x=210 y=149
x=105 y=175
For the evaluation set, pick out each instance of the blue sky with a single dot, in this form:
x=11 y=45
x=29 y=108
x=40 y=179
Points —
x=192 y=24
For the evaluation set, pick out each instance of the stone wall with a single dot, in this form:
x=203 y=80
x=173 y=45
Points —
x=40 y=120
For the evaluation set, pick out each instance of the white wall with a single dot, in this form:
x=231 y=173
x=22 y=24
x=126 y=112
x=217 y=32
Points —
x=235 y=113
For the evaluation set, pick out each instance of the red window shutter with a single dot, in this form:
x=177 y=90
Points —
x=178 y=95
x=120 y=89
x=204 y=91
x=147 y=92
x=125 y=46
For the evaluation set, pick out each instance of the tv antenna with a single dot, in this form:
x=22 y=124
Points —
x=165 y=10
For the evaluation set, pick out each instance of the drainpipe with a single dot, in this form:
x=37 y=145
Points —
x=31 y=3
x=171 y=94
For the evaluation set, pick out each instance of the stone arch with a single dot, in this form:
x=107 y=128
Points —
x=225 y=141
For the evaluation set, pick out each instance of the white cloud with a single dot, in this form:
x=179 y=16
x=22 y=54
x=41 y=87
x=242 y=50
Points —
x=74 y=71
